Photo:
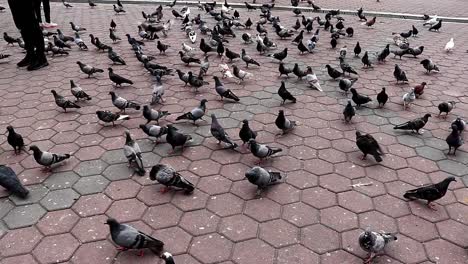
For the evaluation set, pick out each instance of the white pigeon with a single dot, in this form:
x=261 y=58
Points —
x=312 y=79
x=450 y=45
x=431 y=21
x=187 y=48
x=187 y=11
x=408 y=98
x=224 y=69
x=192 y=36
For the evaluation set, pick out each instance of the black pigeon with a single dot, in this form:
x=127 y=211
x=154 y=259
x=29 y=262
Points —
x=284 y=70
x=374 y=243
x=249 y=6
x=302 y=48
x=414 y=125
x=9 y=40
x=365 y=60
x=415 y=31
x=384 y=53
x=262 y=151
x=350 y=32
x=429 y=65
x=117 y=79
x=246 y=133
x=416 y=51
x=196 y=81
x=128 y=237
x=154 y=131
x=446 y=107
x=176 y=139
x=262 y=178
x=231 y=55
x=247 y=59
x=60 y=43
x=368 y=145
x=382 y=97
x=436 y=26
x=297 y=26
x=346 y=84
x=62 y=102
x=170 y=178
x=110 y=117
x=78 y=92
x=15 y=140
x=299 y=72
x=187 y=59
x=114 y=57
x=280 y=55
x=399 y=74
x=454 y=140
x=10 y=181
x=333 y=43
x=132 y=152
x=460 y=123
x=219 y=133
x=332 y=72
x=122 y=103
x=162 y=47
x=357 y=49
x=153 y=115
x=220 y=48
x=359 y=99
x=87 y=69
x=248 y=23
x=205 y=47
x=196 y=113
x=283 y=123
x=299 y=37
x=348 y=112
x=183 y=76
x=45 y=158
x=360 y=14
x=113 y=25
x=346 y=68
x=223 y=91
x=431 y=192
x=285 y=94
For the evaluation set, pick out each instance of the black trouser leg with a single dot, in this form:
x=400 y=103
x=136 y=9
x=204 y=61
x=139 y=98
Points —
x=46 y=6
x=37 y=10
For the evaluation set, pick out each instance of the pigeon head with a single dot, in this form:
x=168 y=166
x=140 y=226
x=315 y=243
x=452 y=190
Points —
x=358 y=134
x=11 y=129
x=142 y=126
x=450 y=179
x=203 y=101
x=281 y=112
x=112 y=222
x=328 y=66
x=252 y=141
x=171 y=128
x=181 y=53
x=112 y=94
x=353 y=91
x=349 y=101
x=53 y=92
x=383 y=89
x=452 y=103
x=79 y=63
x=110 y=69
x=245 y=122
x=155 y=169
x=34 y=148
x=423 y=83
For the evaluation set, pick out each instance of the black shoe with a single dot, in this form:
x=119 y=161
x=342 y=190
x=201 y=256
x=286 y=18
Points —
x=26 y=61
x=38 y=63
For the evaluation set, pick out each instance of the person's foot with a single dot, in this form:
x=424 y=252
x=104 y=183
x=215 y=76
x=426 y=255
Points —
x=51 y=24
x=38 y=63
x=26 y=60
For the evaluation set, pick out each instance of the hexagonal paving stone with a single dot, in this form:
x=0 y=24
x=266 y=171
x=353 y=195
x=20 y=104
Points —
x=126 y=210
x=279 y=233
x=55 y=249
x=90 y=167
x=458 y=212
x=156 y=219
x=297 y=254
x=199 y=222
x=338 y=218
x=93 y=204
x=453 y=167
x=36 y=192
x=262 y=209
x=57 y=222
x=59 y=199
x=22 y=216
x=61 y=180
x=24 y=240
x=340 y=256
x=205 y=167
x=417 y=228
x=211 y=248
x=320 y=238
x=225 y=204
x=391 y=206
x=283 y=193
x=118 y=172
x=300 y=214
x=302 y=179
x=5 y=207
x=125 y=189
x=176 y=240
x=238 y=227
x=443 y=252
x=150 y=195
x=377 y=221
x=406 y=250
x=214 y=185
x=91 y=229
x=91 y=184
x=355 y=201
x=23 y=259
x=252 y=252
x=95 y=252
x=194 y=201
x=452 y=230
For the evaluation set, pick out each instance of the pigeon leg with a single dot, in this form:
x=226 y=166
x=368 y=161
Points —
x=369 y=258
x=164 y=190
x=122 y=249
x=431 y=206
x=364 y=156
x=140 y=253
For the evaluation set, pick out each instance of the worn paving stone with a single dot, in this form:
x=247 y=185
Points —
x=59 y=199
x=91 y=184
x=23 y=216
x=19 y=241
x=55 y=249
x=57 y=222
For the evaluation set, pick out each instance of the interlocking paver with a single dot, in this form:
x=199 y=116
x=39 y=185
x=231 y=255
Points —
x=57 y=222
x=59 y=199
x=55 y=249
x=211 y=248
x=19 y=241
x=23 y=216
x=253 y=251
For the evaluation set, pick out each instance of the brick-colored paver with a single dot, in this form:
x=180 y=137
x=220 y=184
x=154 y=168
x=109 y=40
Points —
x=314 y=216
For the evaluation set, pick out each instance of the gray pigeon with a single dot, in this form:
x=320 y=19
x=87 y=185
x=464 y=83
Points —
x=176 y=139
x=158 y=91
x=454 y=140
x=10 y=181
x=108 y=116
x=128 y=237
x=262 y=151
x=122 y=103
x=284 y=123
x=460 y=123
x=223 y=91
x=153 y=115
x=114 y=57
x=62 y=102
x=196 y=113
x=169 y=177
x=218 y=132
x=154 y=131
x=78 y=92
x=47 y=159
x=262 y=178
x=133 y=153
x=374 y=242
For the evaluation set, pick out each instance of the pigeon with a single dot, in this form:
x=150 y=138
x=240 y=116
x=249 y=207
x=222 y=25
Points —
x=299 y=72
x=446 y=107
x=91 y=4
x=359 y=99
x=9 y=40
x=415 y=51
x=262 y=151
x=118 y=9
x=454 y=140
x=284 y=123
x=170 y=178
x=429 y=66
x=246 y=133
x=78 y=92
x=247 y=59
x=15 y=140
x=350 y=32
x=62 y=102
x=154 y=131
x=348 y=112
x=187 y=48
x=399 y=74
x=284 y=70
x=449 y=46
x=365 y=60
x=183 y=76
x=285 y=94
x=223 y=91
x=384 y=54
x=117 y=79
x=47 y=159
x=414 y=125
x=87 y=69
x=132 y=152
x=332 y=72
x=312 y=79
x=368 y=145
x=360 y=14
x=4 y=56
x=219 y=134
x=176 y=139
x=430 y=193
x=436 y=26
x=240 y=74
x=196 y=81
x=66 y=4
x=187 y=59
x=113 y=25
x=382 y=98
x=345 y=84
x=60 y=43
x=153 y=115
x=345 y=67
x=128 y=237
x=9 y=180
x=374 y=243
x=76 y=28
x=262 y=178
x=357 y=49
x=162 y=47
x=79 y=42
x=122 y=103
x=114 y=57
x=401 y=52
x=110 y=117
x=408 y=98
x=370 y=23
x=460 y=123
x=167 y=257
x=204 y=67
x=280 y=55
x=415 y=31
x=224 y=69
x=419 y=89
x=196 y=113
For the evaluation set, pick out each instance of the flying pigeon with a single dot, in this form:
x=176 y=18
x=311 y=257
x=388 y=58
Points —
x=169 y=177
x=196 y=113
x=374 y=243
x=15 y=140
x=132 y=152
x=10 y=181
x=62 y=102
x=431 y=192
x=414 y=125
x=110 y=117
x=261 y=151
x=368 y=145
x=219 y=133
x=262 y=178
x=47 y=159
